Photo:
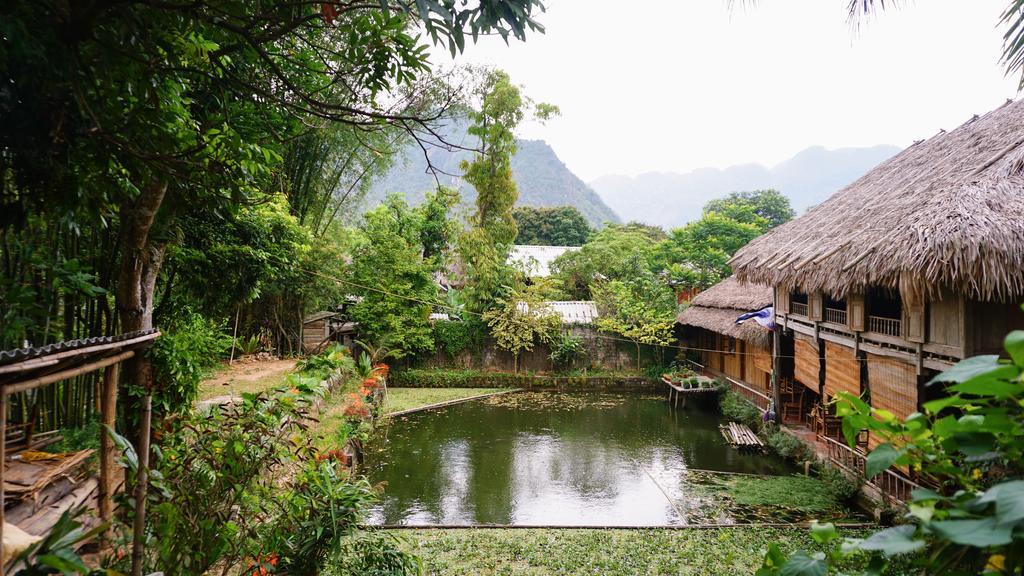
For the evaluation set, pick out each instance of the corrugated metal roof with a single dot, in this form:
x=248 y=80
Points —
x=19 y=354
x=537 y=259
x=575 y=311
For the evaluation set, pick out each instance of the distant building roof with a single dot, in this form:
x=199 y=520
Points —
x=537 y=259
x=318 y=316
x=717 y=308
x=575 y=311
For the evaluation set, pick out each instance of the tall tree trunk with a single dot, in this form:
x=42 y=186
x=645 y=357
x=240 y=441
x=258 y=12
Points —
x=136 y=284
x=140 y=264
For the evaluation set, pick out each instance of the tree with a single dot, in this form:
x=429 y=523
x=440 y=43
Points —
x=641 y=308
x=522 y=320
x=697 y=254
x=607 y=255
x=393 y=274
x=117 y=115
x=969 y=445
x=485 y=247
x=765 y=209
x=561 y=226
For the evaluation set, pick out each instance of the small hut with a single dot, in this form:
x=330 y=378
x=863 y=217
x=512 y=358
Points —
x=914 y=266
x=740 y=352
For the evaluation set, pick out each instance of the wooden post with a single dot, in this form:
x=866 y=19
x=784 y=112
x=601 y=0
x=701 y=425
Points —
x=108 y=413
x=234 y=335
x=141 y=485
x=776 y=369
x=3 y=464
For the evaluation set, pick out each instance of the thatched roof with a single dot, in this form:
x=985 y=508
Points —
x=717 y=307
x=946 y=211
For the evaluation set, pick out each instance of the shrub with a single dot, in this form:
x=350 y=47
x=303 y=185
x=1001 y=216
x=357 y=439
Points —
x=789 y=447
x=455 y=336
x=313 y=517
x=736 y=408
x=842 y=486
x=189 y=346
x=375 y=554
x=566 y=349
x=325 y=363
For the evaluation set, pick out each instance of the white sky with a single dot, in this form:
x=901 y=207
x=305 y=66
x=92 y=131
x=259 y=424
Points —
x=673 y=85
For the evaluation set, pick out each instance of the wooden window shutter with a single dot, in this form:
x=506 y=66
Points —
x=913 y=322
x=855 y=312
x=781 y=300
x=815 y=306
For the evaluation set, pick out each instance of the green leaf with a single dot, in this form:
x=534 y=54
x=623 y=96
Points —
x=992 y=384
x=967 y=369
x=892 y=541
x=1014 y=345
x=880 y=459
x=978 y=533
x=936 y=406
x=824 y=533
x=800 y=564
x=1009 y=499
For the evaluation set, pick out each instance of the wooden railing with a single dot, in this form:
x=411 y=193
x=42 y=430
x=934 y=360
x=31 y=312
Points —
x=799 y=308
x=893 y=486
x=882 y=325
x=835 y=316
x=757 y=398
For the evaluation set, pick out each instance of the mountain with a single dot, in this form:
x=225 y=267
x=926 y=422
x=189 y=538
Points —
x=670 y=199
x=543 y=180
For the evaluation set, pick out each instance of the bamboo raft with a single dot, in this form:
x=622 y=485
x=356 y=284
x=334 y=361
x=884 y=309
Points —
x=741 y=437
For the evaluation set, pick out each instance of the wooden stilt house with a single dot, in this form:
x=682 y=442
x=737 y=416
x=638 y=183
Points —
x=914 y=266
x=738 y=352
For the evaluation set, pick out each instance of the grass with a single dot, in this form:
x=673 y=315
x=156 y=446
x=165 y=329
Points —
x=537 y=552
x=331 y=417
x=796 y=492
x=399 y=399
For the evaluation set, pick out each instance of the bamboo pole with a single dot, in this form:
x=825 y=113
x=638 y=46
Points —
x=3 y=465
x=108 y=412
x=141 y=485
x=65 y=374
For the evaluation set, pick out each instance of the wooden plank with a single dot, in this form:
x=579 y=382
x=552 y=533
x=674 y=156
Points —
x=41 y=522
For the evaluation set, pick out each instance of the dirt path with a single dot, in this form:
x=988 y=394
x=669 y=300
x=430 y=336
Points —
x=245 y=377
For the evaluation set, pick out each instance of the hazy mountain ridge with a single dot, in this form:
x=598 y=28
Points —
x=671 y=199
x=542 y=178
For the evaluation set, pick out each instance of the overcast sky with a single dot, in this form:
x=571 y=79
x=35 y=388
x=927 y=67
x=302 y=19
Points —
x=673 y=85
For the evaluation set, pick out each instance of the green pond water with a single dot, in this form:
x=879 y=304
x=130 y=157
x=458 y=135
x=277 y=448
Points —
x=550 y=458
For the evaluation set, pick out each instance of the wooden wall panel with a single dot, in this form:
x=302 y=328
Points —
x=855 y=312
x=806 y=364
x=842 y=370
x=944 y=321
x=781 y=300
x=733 y=365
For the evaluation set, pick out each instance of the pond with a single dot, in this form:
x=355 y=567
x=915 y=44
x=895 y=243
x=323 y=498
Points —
x=549 y=458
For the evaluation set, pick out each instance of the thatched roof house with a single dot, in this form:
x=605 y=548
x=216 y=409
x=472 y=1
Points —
x=945 y=212
x=716 y=310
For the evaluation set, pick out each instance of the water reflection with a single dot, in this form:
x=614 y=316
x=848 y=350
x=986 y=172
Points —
x=553 y=459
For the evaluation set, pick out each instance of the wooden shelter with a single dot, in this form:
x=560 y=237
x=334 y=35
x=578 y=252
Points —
x=740 y=352
x=38 y=501
x=916 y=265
